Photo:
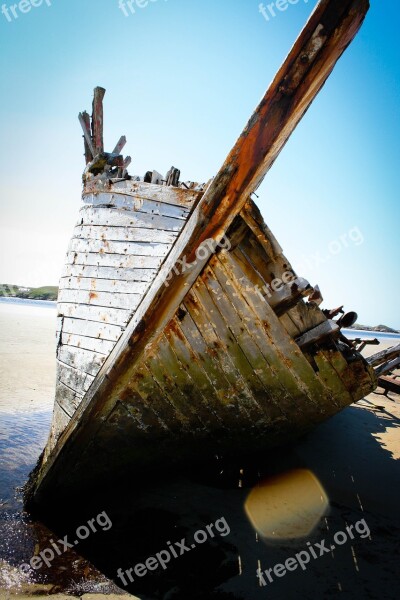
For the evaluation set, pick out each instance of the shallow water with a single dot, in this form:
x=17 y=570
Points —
x=27 y=383
x=146 y=515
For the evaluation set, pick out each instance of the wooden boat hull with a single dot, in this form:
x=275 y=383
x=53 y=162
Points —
x=230 y=369
x=221 y=351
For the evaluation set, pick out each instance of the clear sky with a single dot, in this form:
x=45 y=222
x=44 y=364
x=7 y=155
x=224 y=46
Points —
x=182 y=79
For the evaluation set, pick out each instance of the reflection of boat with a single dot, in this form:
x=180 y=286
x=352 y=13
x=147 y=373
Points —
x=180 y=320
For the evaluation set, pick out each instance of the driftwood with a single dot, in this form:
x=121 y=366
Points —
x=388 y=367
x=384 y=356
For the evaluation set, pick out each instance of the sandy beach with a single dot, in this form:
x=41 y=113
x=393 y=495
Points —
x=27 y=357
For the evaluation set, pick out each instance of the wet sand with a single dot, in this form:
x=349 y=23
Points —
x=27 y=357
x=354 y=457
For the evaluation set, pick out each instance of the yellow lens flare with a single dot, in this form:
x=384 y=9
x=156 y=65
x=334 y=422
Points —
x=286 y=506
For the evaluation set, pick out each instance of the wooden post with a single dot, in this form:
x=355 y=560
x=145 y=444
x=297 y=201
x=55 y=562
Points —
x=97 y=120
x=84 y=120
x=120 y=145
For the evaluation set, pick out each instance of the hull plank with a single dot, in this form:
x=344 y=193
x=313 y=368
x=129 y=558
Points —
x=119 y=261
x=95 y=284
x=87 y=343
x=116 y=300
x=121 y=234
x=123 y=248
x=137 y=204
x=124 y=218
x=110 y=273
x=73 y=378
x=86 y=312
x=89 y=329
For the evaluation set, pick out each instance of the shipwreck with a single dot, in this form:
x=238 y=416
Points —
x=182 y=327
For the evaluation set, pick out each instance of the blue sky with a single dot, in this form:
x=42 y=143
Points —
x=182 y=79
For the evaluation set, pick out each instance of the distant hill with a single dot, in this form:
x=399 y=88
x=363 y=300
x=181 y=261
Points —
x=382 y=328
x=48 y=292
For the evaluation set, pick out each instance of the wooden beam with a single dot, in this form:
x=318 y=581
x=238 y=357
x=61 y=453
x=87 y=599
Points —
x=97 y=120
x=327 y=34
x=121 y=143
x=318 y=334
x=384 y=356
x=387 y=367
x=389 y=384
x=84 y=120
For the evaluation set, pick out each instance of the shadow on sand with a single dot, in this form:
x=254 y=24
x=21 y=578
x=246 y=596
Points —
x=360 y=476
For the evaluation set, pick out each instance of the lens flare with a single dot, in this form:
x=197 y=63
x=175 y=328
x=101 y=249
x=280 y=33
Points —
x=287 y=506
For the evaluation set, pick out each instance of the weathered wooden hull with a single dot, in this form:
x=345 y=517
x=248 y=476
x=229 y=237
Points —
x=183 y=328
x=227 y=370
x=123 y=234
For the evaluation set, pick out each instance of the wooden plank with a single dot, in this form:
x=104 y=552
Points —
x=248 y=382
x=384 y=356
x=298 y=374
x=59 y=423
x=204 y=358
x=149 y=191
x=103 y=299
x=193 y=365
x=90 y=215
x=306 y=316
x=269 y=279
x=92 y=329
x=336 y=394
x=67 y=399
x=113 y=316
x=387 y=367
x=292 y=329
x=157 y=393
x=84 y=360
x=252 y=216
x=84 y=120
x=318 y=334
x=87 y=343
x=286 y=385
x=97 y=120
x=136 y=204
x=201 y=396
x=118 y=261
x=120 y=234
x=109 y=273
x=238 y=394
x=139 y=423
x=271 y=399
x=126 y=248
x=73 y=378
x=93 y=284
x=166 y=360
x=259 y=259
x=120 y=145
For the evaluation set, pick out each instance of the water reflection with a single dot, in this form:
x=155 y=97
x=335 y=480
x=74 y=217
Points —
x=286 y=506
